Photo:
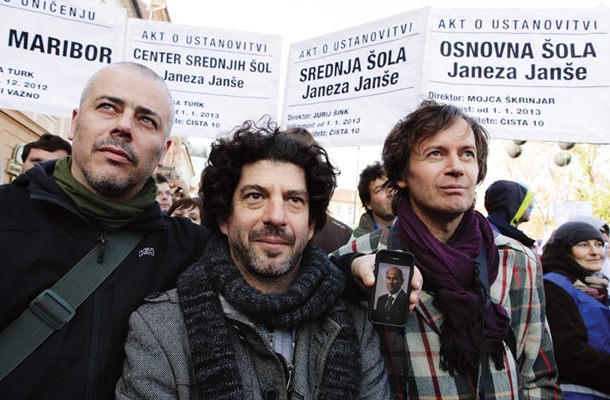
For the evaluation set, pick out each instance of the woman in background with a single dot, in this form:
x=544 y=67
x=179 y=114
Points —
x=577 y=310
x=186 y=207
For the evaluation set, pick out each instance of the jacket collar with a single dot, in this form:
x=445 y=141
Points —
x=41 y=186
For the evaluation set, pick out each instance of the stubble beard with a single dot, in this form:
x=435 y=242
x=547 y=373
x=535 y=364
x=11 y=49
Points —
x=112 y=186
x=109 y=187
x=248 y=258
x=386 y=214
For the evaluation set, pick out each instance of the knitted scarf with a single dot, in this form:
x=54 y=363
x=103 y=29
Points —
x=556 y=259
x=594 y=286
x=314 y=294
x=450 y=272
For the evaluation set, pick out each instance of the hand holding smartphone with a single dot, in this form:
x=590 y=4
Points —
x=389 y=304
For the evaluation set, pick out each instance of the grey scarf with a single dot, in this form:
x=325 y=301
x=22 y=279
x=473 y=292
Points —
x=314 y=294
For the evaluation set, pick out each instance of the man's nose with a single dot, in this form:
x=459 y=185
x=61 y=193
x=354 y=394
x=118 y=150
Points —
x=275 y=212
x=454 y=164
x=123 y=127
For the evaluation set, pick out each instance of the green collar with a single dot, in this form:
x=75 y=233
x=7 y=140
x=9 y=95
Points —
x=109 y=215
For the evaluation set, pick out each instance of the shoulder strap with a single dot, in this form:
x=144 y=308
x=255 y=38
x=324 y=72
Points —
x=557 y=279
x=564 y=283
x=55 y=307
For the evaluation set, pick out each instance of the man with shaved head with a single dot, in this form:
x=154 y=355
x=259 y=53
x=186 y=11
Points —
x=60 y=210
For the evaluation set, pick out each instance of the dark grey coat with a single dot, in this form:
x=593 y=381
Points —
x=158 y=361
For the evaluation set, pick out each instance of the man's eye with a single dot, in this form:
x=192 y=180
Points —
x=297 y=200
x=149 y=121
x=253 y=196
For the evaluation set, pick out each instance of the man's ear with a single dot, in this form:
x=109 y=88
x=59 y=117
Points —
x=224 y=227
x=168 y=143
x=402 y=184
x=312 y=229
x=73 y=124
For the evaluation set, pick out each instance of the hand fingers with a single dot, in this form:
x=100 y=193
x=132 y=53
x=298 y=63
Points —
x=416 y=285
x=363 y=268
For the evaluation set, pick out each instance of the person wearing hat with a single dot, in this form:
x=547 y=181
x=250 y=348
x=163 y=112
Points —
x=577 y=309
x=508 y=205
x=603 y=227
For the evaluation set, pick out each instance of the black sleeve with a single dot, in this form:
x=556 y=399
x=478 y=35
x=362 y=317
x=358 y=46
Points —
x=353 y=292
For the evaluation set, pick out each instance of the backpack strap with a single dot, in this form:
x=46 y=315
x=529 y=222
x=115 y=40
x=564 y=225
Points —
x=52 y=309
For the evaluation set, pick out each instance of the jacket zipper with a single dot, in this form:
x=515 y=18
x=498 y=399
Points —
x=288 y=368
x=101 y=237
x=92 y=370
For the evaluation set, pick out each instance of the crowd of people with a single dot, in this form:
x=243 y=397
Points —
x=117 y=283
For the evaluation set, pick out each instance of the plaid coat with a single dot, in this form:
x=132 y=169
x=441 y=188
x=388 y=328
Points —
x=518 y=288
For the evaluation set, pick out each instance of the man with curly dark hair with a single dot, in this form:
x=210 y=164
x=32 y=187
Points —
x=260 y=315
x=376 y=198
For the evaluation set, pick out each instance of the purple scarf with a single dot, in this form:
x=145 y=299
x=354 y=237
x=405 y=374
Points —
x=450 y=272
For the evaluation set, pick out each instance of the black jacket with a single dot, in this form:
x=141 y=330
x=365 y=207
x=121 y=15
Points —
x=506 y=201
x=397 y=311
x=42 y=236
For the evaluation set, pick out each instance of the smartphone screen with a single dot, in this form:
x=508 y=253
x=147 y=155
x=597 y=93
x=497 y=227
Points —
x=389 y=304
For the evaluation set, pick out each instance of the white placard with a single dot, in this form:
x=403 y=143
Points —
x=565 y=209
x=48 y=50
x=218 y=78
x=349 y=88
x=525 y=74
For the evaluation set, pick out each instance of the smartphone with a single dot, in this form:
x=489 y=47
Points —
x=389 y=304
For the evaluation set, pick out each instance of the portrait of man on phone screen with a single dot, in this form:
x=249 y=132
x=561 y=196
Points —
x=392 y=305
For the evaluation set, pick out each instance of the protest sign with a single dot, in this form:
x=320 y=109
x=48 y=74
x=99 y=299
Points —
x=218 y=78
x=563 y=210
x=523 y=73
x=43 y=63
x=349 y=88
